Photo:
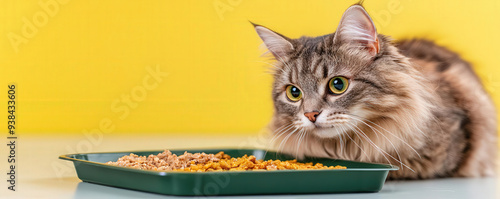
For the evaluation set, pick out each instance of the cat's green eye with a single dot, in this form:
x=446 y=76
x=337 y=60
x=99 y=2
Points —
x=293 y=93
x=338 y=85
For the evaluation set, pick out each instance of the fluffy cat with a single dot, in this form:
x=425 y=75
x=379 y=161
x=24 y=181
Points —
x=356 y=95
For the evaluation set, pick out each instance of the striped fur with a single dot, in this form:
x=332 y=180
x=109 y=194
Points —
x=412 y=104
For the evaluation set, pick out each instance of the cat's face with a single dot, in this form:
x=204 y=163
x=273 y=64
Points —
x=320 y=92
x=337 y=83
x=324 y=84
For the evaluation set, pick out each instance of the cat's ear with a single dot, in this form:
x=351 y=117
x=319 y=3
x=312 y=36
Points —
x=277 y=44
x=357 y=27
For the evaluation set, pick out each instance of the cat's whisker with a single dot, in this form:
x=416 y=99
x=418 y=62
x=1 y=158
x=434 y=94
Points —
x=359 y=134
x=406 y=143
x=376 y=131
x=355 y=143
x=297 y=138
x=301 y=135
x=281 y=132
x=286 y=139
x=305 y=142
x=342 y=131
x=341 y=144
x=341 y=148
x=364 y=135
x=383 y=151
x=275 y=135
x=282 y=127
x=345 y=131
x=344 y=143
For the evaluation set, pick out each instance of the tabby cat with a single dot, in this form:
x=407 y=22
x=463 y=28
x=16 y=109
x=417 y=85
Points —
x=357 y=95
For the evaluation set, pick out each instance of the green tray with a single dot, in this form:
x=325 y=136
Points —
x=358 y=177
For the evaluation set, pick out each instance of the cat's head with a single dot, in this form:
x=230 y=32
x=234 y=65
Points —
x=336 y=83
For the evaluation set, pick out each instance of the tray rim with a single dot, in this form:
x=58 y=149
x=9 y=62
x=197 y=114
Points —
x=390 y=167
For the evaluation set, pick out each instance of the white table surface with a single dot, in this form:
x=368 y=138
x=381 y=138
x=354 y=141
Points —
x=42 y=175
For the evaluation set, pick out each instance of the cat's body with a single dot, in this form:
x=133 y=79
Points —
x=465 y=116
x=356 y=95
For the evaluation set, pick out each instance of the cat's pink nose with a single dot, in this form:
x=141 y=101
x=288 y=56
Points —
x=312 y=116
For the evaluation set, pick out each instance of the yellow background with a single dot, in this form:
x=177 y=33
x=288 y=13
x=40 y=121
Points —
x=90 y=53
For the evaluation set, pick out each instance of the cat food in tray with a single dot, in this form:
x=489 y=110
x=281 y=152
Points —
x=202 y=162
x=349 y=177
